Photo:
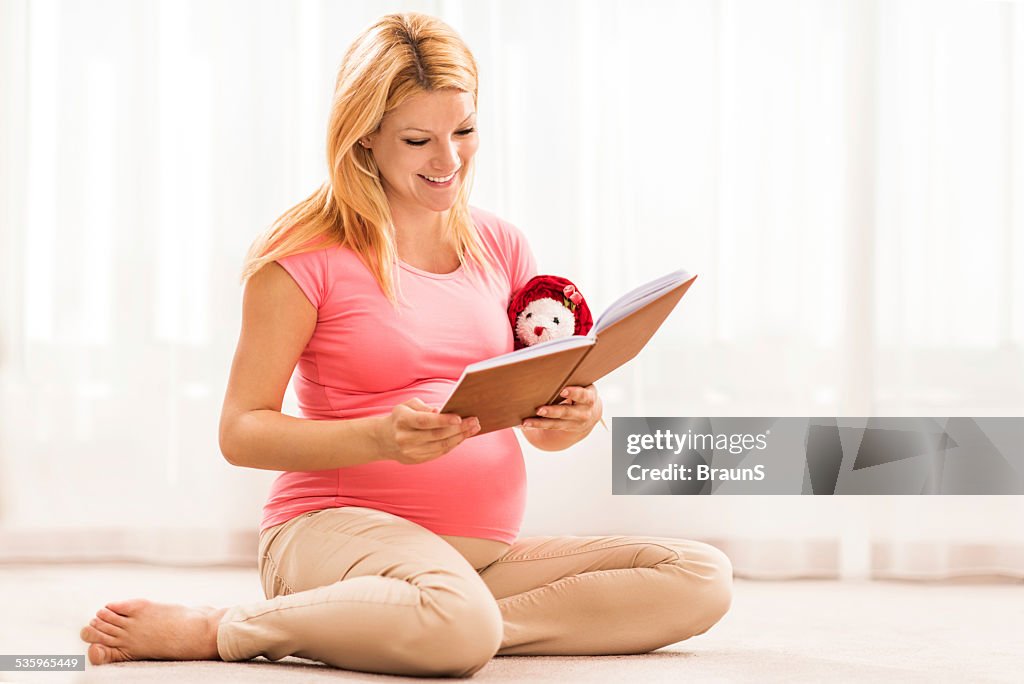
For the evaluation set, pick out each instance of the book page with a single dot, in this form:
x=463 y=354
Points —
x=637 y=298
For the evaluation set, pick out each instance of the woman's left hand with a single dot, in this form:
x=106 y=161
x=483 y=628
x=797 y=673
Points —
x=579 y=411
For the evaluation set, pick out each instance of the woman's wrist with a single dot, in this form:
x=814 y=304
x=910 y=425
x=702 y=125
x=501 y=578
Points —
x=379 y=426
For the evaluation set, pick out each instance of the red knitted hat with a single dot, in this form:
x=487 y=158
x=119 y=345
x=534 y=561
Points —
x=560 y=290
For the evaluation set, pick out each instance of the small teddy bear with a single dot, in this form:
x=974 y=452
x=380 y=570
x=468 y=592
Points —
x=547 y=308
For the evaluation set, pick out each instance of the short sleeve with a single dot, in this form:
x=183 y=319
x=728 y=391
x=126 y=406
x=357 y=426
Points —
x=309 y=271
x=522 y=263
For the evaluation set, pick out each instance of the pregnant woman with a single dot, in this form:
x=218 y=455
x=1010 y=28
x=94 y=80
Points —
x=389 y=543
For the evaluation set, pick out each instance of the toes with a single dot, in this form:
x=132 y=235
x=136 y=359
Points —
x=113 y=618
x=127 y=607
x=106 y=627
x=101 y=655
x=94 y=636
x=97 y=655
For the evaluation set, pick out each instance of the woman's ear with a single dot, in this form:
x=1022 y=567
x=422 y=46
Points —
x=368 y=140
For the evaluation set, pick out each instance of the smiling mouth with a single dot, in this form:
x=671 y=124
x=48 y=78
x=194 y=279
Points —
x=440 y=179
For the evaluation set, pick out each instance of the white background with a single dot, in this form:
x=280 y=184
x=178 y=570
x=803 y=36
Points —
x=847 y=179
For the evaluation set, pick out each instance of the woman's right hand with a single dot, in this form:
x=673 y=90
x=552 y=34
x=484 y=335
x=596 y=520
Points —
x=415 y=432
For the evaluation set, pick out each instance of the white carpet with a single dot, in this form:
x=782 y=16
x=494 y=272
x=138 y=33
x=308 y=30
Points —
x=797 y=631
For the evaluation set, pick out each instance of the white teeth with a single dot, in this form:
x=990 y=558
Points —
x=445 y=179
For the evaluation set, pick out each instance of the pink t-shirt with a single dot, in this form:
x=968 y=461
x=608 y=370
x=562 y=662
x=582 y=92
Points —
x=364 y=358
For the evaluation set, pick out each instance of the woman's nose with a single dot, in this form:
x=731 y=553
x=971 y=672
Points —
x=448 y=160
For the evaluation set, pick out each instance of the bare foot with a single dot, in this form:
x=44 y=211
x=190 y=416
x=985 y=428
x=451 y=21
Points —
x=138 y=629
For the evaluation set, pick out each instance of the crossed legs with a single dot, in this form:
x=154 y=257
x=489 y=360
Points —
x=365 y=590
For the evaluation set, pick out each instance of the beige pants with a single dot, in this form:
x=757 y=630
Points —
x=362 y=589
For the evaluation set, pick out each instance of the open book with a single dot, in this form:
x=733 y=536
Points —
x=504 y=390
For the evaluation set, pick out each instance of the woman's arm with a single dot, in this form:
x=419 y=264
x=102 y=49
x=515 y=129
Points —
x=277 y=323
x=270 y=440
x=567 y=423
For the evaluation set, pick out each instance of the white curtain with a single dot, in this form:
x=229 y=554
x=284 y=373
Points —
x=846 y=177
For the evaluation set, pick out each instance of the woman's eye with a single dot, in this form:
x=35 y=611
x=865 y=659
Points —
x=556 y=320
x=421 y=143
x=528 y=315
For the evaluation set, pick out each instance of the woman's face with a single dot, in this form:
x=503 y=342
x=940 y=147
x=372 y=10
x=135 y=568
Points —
x=423 y=148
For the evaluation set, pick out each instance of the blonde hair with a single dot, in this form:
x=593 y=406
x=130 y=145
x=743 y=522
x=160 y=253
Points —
x=399 y=56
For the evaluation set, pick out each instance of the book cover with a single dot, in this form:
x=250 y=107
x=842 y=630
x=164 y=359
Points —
x=502 y=391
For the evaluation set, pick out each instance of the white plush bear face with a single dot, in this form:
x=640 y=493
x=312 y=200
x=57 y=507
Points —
x=544 y=319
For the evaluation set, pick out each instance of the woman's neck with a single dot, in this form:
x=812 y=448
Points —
x=420 y=239
x=418 y=228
